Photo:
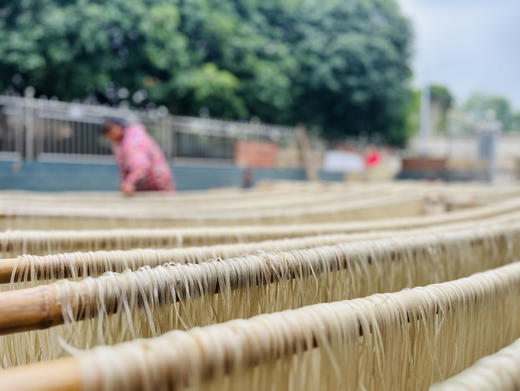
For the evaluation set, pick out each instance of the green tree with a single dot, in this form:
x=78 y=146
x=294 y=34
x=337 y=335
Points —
x=442 y=95
x=338 y=66
x=73 y=49
x=441 y=100
x=413 y=111
x=479 y=104
x=352 y=66
x=516 y=122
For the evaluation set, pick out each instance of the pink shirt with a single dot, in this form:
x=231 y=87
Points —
x=142 y=162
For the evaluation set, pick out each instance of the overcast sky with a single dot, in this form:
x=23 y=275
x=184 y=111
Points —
x=469 y=45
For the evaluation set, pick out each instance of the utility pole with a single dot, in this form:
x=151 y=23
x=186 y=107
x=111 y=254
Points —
x=306 y=153
x=489 y=139
x=29 y=123
x=425 y=120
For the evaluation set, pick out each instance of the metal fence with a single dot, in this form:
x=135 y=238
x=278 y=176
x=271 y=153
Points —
x=48 y=130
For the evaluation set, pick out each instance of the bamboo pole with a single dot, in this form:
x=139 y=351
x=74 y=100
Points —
x=60 y=375
x=29 y=309
x=7 y=266
x=311 y=169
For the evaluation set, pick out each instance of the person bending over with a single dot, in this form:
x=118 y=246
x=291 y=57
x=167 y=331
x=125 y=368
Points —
x=141 y=162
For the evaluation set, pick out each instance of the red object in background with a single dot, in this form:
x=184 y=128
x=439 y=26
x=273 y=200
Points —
x=372 y=159
x=248 y=178
x=255 y=153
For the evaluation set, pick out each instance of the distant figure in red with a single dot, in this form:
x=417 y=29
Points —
x=372 y=156
x=247 y=182
x=141 y=162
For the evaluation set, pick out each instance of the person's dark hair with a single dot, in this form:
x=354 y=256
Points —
x=112 y=121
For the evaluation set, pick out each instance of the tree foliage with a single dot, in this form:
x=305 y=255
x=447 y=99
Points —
x=413 y=110
x=340 y=66
x=479 y=105
x=516 y=122
x=441 y=96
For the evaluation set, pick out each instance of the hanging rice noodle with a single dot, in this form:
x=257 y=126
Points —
x=393 y=341
x=152 y=301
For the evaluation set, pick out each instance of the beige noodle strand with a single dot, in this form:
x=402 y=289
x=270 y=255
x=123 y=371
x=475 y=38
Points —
x=499 y=371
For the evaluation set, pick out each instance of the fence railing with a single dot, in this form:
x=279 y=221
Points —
x=46 y=129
